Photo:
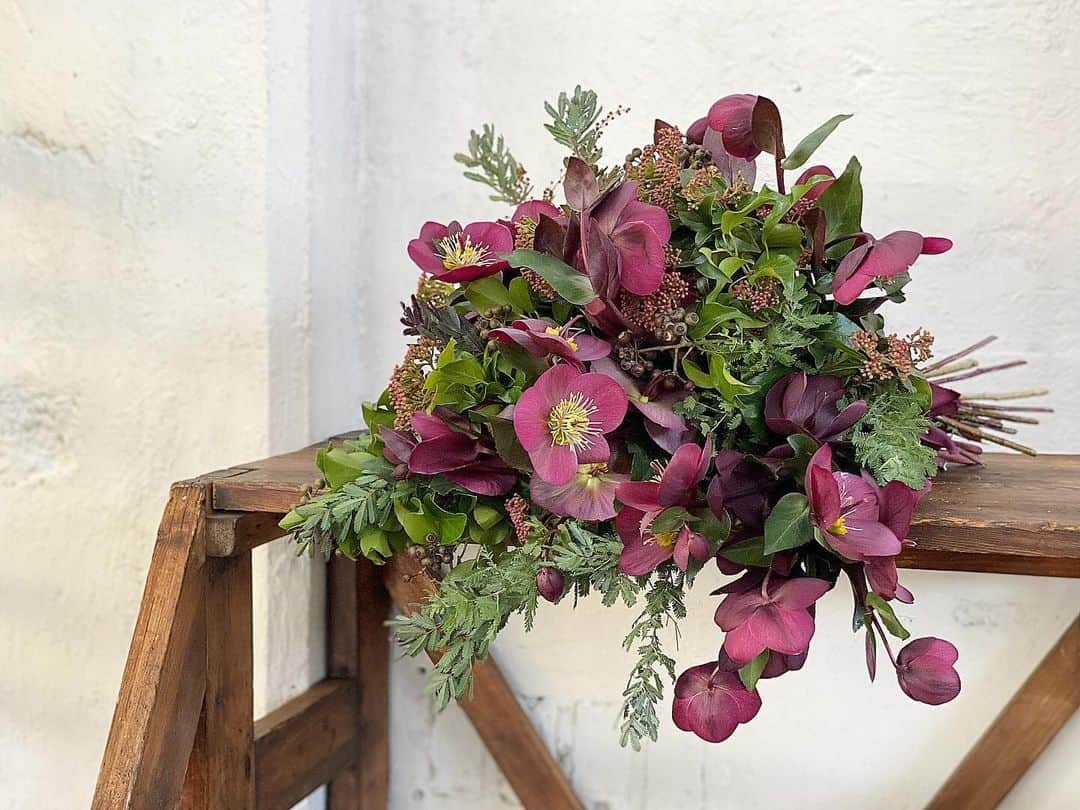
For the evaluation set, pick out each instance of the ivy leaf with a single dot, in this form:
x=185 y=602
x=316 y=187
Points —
x=788 y=524
x=749 y=552
x=751 y=671
x=808 y=145
x=842 y=204
x=339 y=466
x=564 y=279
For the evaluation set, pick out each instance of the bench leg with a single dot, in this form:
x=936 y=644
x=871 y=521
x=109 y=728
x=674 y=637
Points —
x=1024 y=728
x=157 y=712
x=357 y=607
x=221 y=769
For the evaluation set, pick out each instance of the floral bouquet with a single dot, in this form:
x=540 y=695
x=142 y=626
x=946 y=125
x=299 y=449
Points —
x=672 y=368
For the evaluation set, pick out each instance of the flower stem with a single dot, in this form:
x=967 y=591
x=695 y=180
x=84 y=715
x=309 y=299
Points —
x=884 y=639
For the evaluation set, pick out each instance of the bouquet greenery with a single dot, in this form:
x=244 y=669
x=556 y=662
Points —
x=674 y=367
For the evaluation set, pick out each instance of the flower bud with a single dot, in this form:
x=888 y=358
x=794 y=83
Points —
x=550 y=583
x=924 y=668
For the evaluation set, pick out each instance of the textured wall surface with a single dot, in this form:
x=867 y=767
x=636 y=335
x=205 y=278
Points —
x=203 y=218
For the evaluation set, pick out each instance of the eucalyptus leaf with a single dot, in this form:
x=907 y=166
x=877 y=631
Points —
x=808 y=145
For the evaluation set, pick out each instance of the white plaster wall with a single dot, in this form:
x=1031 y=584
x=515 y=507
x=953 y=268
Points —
x=966 y=124
x=156 y=221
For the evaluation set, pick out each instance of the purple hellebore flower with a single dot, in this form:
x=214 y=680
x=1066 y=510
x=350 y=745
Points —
x=448 y=447
x=454 y=254
x=887 y=257
x=801 y=404
x=741 y=487
x=711 y=702
x=774 y=616
x=943 y=401
x=818 y=188
x=550 y=583
x=622 y=239
x=896 y=506
x=732 y=116
x=844 y=507
x=562 y=418
x=777 y=665
x=542 y=338
x=712 y=140
x=589 y=495
x=661 y=422
x=532 y=210
x=924 y=668
x=949 y=449
x=643 y=501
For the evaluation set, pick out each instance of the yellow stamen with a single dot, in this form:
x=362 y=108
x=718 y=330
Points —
x=459 y=251
x=570 y=422
x=839 y=528
x=551 y=330
x=665 y=539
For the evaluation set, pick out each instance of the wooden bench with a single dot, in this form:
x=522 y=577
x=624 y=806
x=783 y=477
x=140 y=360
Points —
x=184 y=733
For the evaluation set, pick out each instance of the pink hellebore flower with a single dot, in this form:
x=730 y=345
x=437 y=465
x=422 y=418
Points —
x=661 y=422
x=622 y=243
x=845 y=508
x=644 y=501
x=448 y=447
x=541 y=338
x=454 y=254
x=801 y=404
x=589 y=495
x=775 y=616
x=924 y=668
x=562 y=418
x=885 y=258
x=711 y=702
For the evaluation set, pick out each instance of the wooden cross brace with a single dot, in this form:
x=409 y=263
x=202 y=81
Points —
x=184 y=732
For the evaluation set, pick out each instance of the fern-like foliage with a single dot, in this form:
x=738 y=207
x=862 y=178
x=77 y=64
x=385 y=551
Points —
x=887 y=441
x=491 y=163
x=466 y=614
x=664 y=606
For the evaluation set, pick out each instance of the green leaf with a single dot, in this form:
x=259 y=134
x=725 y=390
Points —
x=521 y=296
x=713 y=315
x=747 y=552
x=339 y=467
x=888 y=617
x=487 y=293
x=671 y=520
x=450 y=525
x=564 y=279
x=725 y=382
x=413 y=520
x=374 y=545
x=788 y=525
x=808 y=145
x=697 y=375
x=750 y=672
x=486 y=516
x=842 y=204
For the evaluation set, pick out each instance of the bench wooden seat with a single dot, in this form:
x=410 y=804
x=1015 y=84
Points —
x=184 y=732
